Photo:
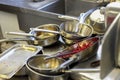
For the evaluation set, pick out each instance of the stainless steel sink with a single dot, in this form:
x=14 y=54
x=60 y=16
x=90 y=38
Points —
x=48 y=13
x=69 y=7
x=39 y=4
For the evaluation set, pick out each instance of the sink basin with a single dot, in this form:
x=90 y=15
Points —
x=39 y=4
x=44 y=14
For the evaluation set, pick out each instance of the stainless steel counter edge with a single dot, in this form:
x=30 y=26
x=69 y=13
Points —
x=15 y=9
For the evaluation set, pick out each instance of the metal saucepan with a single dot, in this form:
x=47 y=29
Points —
x=33 y=75
x=78 y=27
x=39 y=64
x=41 y=38
x=75 y=31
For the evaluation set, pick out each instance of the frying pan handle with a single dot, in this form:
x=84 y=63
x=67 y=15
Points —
x=83 y=16
x=68 y=17
x=82 y=70
x=15 y=39
x=44 y=30
x=20 y=34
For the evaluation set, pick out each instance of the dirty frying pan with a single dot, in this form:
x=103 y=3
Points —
x=41 y=38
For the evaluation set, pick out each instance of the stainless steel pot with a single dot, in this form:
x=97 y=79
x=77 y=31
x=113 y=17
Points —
x=72 y=30
x=44 y=38
x=38 y=69
x=41 y=38
x=77 y=28
x=39 y=64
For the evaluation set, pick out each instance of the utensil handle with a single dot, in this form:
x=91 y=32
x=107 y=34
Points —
x=15 y=39
x=83 y=16
x=68 y=17
x=87 y=70
x=19 y=34
x=44 y=30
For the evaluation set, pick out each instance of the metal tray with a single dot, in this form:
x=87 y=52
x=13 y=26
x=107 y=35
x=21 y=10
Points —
x=14 y=58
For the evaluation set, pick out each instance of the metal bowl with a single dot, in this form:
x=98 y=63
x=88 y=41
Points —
x=74 y=31
x=34 y=75
x=42 y=66
x=45 y=38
